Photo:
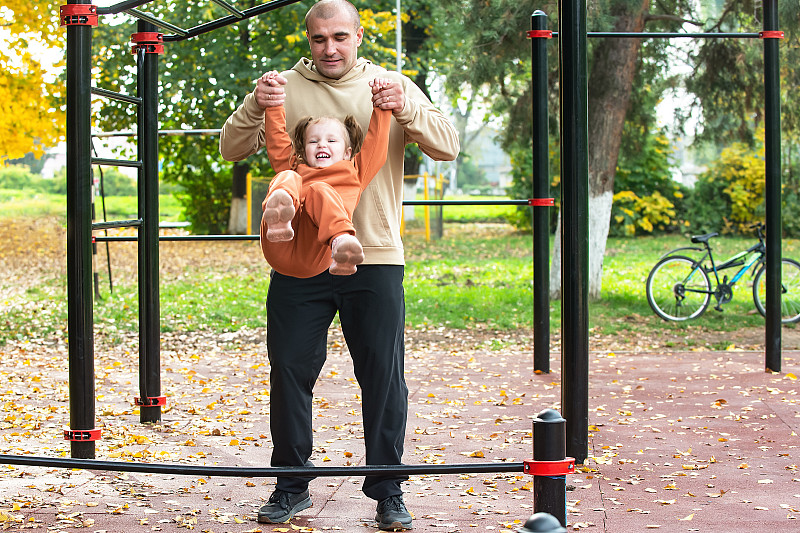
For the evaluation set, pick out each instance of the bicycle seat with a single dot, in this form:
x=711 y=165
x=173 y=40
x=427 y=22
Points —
x=703 y=238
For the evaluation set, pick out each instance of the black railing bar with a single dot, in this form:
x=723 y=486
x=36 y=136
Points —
x=121 y=6
x=116 y=162
x=117 y=224
x=465 y=202
x=229 y=8
x=243 y=471
x=116 y=96
x=158 y=22
x=667 y=35
x=129 y=133
x=126 y=238
x=671 y=35
x=227 y=21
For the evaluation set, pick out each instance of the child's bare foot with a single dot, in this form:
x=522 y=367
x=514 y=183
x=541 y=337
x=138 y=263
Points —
x=347 y=253
x=279 y=213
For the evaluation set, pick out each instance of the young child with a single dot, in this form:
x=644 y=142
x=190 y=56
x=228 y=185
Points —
x=321 y=171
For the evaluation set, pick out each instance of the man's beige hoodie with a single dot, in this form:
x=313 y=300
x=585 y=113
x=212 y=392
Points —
x=308 y=93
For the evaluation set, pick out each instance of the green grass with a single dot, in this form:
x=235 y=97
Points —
x=623 y=307
x=464 y=280
x=466 y=213
x=477 y=274
x=24 y=204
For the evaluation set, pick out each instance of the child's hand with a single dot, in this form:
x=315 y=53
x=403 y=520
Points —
x=388 y=94
x=269 y=90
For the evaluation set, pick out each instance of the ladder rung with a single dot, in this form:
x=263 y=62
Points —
x=153 y=20
x=117 y=224
x=229 y=8
x=116 y=162
x=116 y=96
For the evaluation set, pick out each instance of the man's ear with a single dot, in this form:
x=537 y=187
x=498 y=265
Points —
x=359 y=35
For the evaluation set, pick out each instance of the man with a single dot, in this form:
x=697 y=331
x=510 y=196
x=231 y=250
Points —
x=370 y=302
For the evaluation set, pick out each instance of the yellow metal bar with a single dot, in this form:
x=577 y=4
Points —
x=249 y=200
x=427 y=209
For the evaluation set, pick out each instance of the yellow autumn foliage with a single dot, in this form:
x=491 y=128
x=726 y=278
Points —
x=30 y=118
x=637 y=214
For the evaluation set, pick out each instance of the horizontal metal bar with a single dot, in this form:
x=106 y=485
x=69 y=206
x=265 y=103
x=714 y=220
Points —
x=121 y=6
x=156 y=21
x=120 y=238
x=229 y=8
x=116 y=96
x=227 y=21
x=243 y=471
x=117 y=224
x=465 y=202
x=672 y=35
x=667 y=35
x=116 y=162
x=128 y=133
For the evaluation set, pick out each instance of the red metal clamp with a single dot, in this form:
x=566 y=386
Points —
x=151 y=42
x=541 y=202
x=82 y=435
x=153 y=401
x=543 y=34
x=550 y=468
x=79 y=15
x=774 y=34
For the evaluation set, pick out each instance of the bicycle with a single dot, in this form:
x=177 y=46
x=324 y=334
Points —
x=679 y=288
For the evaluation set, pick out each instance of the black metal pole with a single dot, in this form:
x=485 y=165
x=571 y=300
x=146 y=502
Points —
x=541 y=189
x=772 y=190
x=574 y=226
x=549 y=444
x=79 y=236
x=149 y=307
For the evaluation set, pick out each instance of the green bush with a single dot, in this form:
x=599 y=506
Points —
x=19 y=177
x=204 y=191
x=729 y=196
x=633 y=214
x=115 y=183
x=522 y=186
x=647 y=200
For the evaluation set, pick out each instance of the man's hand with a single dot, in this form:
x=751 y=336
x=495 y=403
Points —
x=388 y=94
x=269 y=90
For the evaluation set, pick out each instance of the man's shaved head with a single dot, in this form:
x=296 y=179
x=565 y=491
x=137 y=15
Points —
x=326 y=9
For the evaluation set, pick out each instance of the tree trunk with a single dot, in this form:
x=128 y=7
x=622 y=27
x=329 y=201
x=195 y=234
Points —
x=610 y=82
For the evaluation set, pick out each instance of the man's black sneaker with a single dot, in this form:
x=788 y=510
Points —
x=392 y=515
x=282 y=506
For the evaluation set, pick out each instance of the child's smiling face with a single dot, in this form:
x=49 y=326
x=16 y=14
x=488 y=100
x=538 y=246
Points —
x=326 y=143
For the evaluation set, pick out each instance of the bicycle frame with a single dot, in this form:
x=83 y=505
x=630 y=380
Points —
x=757 y=251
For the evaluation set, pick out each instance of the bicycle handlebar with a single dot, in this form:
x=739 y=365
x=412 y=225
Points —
x=758 y=226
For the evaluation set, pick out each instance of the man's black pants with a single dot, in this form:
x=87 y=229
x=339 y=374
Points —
x=371 y=310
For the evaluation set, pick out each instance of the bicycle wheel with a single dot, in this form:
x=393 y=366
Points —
x=790 y=291
x=678 y=289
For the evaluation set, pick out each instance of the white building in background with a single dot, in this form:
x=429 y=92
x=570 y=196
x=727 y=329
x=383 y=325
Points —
x=56 y=160
x=487 y=155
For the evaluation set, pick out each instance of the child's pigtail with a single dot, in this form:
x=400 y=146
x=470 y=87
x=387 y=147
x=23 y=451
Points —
x=354 y=132
x=299 y=139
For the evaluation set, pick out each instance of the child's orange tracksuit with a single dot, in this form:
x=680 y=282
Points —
x=324 y=198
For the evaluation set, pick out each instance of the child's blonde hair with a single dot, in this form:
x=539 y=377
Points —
x=355 y=137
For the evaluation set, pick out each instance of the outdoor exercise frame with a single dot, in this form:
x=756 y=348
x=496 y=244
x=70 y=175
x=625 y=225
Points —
x=80 y=17
x=573 y=68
